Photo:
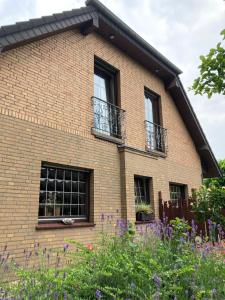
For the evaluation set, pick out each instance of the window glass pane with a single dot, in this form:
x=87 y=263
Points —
x=50 y=198
x=75 y=176
x=59 y=198
x=43 y=172
x=62 y=193
x=176 y=192
x=82 y=198
x=75 y=187
x=49 y=210
x=82 y=176
x=42 y=198
x=81 y=210
x=41 y=210
x=59 y=185
x=51 y=173
x=100 y=87
x=58 y=210
x=67 y=186
x=51 y=185
x=66 y=210
x=67 y=198
x=75 y=198
x=82 y=187
x=67 y=175
x=74 y=210
x=43 y=184
x=141 y=190
x=148 y=109
x=60 y=174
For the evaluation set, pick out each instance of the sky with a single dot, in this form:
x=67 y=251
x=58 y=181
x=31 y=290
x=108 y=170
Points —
x=182 y=30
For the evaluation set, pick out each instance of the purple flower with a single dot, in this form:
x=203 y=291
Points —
x=157 y=280
x=209 y=222
x=98 y=294
x=214 y=292
x=65 y=247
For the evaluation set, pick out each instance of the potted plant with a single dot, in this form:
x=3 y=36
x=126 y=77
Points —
x=144 y=212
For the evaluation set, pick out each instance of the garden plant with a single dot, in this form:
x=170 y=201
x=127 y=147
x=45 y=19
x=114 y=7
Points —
x=159 y=260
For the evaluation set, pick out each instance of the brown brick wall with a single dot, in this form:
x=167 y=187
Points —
x=46 y=115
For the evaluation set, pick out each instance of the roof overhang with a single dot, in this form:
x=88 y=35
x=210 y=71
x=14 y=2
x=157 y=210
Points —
x=96 y=17
x=210 y=166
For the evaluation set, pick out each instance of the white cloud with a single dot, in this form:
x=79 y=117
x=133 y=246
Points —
x=182 y=30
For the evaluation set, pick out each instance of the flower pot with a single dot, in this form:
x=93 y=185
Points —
x=143 y=217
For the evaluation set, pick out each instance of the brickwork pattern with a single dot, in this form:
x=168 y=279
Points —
x=46 y=115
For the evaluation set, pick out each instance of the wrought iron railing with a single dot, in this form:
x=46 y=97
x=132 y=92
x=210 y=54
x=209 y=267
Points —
x=108 y=118
x=156 y=137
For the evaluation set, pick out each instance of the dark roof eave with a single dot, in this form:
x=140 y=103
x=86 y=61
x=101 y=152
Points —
x=105 y=11
x=195 y=129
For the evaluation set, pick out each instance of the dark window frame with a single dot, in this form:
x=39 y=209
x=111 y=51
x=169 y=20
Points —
x=155 y=133
x=108 y=115
x=85 y=182
x=146 y=182
x=183 y=191
x=108 y=72
x=157 y=106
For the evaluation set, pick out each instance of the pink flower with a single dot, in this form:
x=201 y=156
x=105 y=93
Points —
x=90 y=247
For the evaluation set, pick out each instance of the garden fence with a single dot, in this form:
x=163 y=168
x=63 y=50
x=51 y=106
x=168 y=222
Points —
x=182 y=209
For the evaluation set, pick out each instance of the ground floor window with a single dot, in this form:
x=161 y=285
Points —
x=64 y=193
x=143 y=193
x=177 y=191
x=141 y=190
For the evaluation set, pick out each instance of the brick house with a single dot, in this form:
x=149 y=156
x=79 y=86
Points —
x=92 y=120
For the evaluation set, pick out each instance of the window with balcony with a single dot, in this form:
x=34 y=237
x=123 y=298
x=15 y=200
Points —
x=155 y=133
x=108 y=116
x=64 y=193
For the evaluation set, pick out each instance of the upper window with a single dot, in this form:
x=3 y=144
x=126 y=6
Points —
x=152 y=108
x=155 y=133
x=177 y=192
x=63 y=193
x=141 y=190
x=107 y=115
x=104 y=83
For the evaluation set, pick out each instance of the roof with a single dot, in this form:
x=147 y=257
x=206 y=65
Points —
x=95 y=16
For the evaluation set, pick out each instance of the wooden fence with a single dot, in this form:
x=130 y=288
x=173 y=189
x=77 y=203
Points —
x=181 y=209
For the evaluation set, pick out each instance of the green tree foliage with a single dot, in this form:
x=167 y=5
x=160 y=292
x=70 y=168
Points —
x=210 y=204
x=210 y=198
x=217 y=182
x=212 y=71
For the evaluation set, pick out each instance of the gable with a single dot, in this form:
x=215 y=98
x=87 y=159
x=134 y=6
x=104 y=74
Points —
x=97 y=17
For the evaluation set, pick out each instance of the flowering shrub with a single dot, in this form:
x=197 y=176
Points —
x=161 y=261
x=210 y=204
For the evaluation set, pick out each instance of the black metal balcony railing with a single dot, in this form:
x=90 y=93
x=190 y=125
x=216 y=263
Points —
x=108 y=118
x=156 y=137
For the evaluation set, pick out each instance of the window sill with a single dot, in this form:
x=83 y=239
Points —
x=106 y=137
x=156 y=153
x=45 y=226
x=143 y=222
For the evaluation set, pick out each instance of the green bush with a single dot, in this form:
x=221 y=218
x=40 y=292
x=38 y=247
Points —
x=209 y=204
x=161 y=261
